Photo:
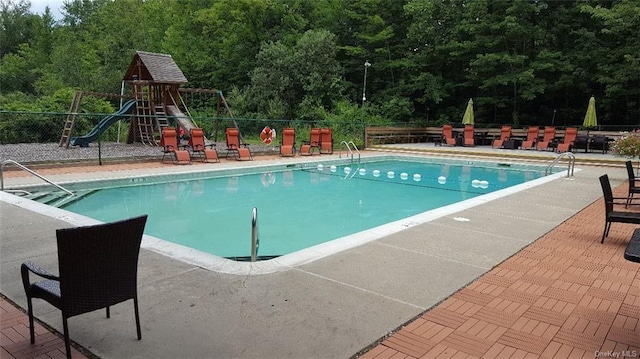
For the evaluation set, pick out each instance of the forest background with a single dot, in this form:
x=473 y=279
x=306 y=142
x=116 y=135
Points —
x=522 y=62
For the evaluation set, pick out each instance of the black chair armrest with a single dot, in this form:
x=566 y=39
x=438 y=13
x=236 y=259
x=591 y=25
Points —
x=27 y=267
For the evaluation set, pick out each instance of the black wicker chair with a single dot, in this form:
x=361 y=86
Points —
x=582 y=142
x=599 y=143
x=634 y=182
x=612 y=215
x=98 y=268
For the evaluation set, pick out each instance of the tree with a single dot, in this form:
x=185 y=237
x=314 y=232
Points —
x=433 y=74
x=25 y=45
x=15 y=28
x=618 y=66
x=296 y=59
x=301 y=77
x=219 y=43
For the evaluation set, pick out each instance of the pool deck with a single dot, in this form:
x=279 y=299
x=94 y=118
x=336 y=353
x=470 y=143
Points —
x=524 y=276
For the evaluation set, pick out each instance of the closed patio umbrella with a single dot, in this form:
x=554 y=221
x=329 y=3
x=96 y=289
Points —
x=468 y=119
x=590 y=118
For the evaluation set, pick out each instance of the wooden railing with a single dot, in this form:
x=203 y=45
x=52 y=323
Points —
x=393 y=134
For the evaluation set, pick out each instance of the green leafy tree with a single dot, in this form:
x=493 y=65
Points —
x=15 y=25
x=25 y=45
x=300 y=77
x=225 y=37
x=618 y=66
x=433 y=74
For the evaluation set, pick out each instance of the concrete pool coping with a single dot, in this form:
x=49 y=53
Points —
x=332 y=307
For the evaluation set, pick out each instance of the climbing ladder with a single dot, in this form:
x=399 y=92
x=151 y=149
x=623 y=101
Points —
x=70 y=123
x=161 y=118
x=146 y=115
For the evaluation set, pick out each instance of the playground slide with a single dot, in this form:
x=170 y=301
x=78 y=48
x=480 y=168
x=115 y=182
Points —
x=83 y=141
x=182 y=119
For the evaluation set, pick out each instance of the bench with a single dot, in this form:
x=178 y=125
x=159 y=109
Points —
x=632 y=252
x=382 y=135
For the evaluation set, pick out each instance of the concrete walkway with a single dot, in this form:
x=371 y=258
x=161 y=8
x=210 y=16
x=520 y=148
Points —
x=334 y=307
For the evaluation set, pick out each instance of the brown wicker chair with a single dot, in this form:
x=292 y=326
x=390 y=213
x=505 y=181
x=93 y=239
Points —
x=98 y=268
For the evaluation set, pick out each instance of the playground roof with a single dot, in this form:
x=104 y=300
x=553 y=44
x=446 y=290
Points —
x=159 y=68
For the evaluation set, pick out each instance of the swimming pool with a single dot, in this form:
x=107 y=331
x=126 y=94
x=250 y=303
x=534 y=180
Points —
x=298 y=204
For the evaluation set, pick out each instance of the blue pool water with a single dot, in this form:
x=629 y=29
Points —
x=298 y=207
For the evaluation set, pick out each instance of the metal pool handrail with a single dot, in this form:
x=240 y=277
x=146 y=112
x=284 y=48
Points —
x=570 y=166
x=350 y=149
x=6 y=162
x=255 y=240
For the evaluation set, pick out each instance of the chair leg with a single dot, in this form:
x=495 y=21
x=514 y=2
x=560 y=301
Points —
x=108 y=312
x=137 y=313
x=67 y=342
x=606 y=231
x=31 y=330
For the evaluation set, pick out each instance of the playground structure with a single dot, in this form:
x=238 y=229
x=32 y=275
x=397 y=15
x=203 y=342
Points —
x=155 y=82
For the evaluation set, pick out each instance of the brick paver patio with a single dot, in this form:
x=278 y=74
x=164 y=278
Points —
x=564 y=296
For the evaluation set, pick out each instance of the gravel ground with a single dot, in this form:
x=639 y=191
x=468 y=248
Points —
x=49 y=153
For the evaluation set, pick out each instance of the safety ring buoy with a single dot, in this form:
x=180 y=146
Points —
x=268 y=179
x=266 y=135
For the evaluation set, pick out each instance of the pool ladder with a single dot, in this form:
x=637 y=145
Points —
x=351 y=148
x=6 y=162
x=255 y=239
x=570 y=165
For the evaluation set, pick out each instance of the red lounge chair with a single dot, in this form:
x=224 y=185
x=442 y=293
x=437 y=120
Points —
x=505 y=133
x=199 y=148
x=169 y=143
x=308 y=148
x=532 y=138
x=570 y=135
x=288 y=143
x=547 y=140
x=241 y=151
x=326 y=141
x=469 y=139
x=447 y=136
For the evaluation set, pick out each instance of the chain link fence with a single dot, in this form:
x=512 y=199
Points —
x=33 y=137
